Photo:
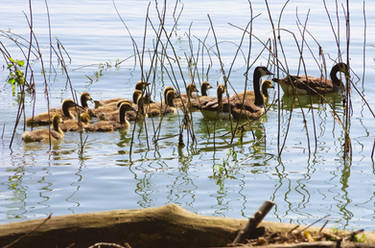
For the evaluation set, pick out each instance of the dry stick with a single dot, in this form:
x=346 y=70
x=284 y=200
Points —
x=304 y=67
x=188 y=116
x=364 y=44
x=19 y=112
x=324 y=225
x=287 y=129
x=204 y=47
x=136 y=50
x=348 y=112
x=225 y=78
x=298 y=98
x=144 y=43
x=281 y=46
x=324 y=67
x=153 y=68
x=347 y=103
x=134 y=43
x=6 y=55
x=28 y=233
x=9 y=34
x=280 y=149
x=254 y=222
x=250 y=23
x=175 y=79
x=141 y=63
x=333 y=29
x=2 y=133
x=314 y=223
x=277 y=66
x=50 y=38
x=177 y=61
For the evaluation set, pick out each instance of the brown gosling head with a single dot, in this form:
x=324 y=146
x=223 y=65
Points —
x=141 y=85
x=166 y=90
x=125 y=106
x=267 y=84
x=221 y=89
x=190 y=88
x=56 y=120
x=85 y=97
x=204 y=87
x=169 y=97
x=66 y=106
x=68 y=103
x=84 y=117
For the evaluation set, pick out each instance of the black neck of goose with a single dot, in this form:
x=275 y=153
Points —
x=135 y=97
x=65 y=109
x=122 y=114
x=55 y=124
x=204 y=90
x=220 y=93
x=169 y=99
x=333 y=74
x=140 y=105
x=258 y=97
x=84 y=102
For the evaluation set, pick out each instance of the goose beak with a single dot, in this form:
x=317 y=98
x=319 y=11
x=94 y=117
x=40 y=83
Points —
x=269 y=73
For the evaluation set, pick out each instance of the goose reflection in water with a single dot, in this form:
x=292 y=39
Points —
x=311 y=101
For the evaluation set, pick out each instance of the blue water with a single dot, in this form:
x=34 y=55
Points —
x=210 y=177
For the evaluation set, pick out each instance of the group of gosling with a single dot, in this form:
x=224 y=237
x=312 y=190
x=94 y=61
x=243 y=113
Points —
x=113 y=114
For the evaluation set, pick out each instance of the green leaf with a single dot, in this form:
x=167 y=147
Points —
x=11 y=81
x=20 y=62
x=12 y=60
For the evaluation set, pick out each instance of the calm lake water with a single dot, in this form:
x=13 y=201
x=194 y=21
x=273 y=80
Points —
x=211 y=177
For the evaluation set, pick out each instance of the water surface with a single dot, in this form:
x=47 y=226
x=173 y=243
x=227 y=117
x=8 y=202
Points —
x=211 y=177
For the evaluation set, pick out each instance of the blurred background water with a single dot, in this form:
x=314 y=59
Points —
x=211 y=177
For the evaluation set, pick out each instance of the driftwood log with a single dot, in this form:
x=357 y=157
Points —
x=166 y=226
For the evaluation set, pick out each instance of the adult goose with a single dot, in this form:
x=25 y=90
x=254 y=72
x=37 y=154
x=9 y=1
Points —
x=43 y=118
x=309 y=85
x=111 y=125
x=251 y=109
x=43 y=135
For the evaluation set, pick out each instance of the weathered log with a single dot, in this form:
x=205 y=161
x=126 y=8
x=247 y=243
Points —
x=167 y=226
